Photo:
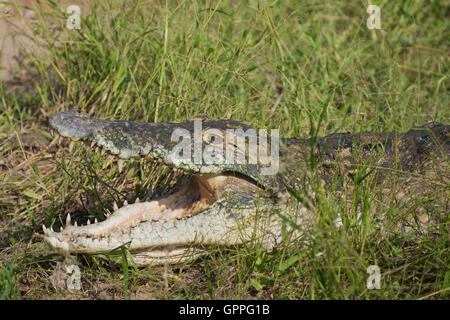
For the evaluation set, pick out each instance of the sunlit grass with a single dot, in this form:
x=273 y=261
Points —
x=274 y=64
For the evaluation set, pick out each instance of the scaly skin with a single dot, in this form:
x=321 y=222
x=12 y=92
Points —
x=229 y=204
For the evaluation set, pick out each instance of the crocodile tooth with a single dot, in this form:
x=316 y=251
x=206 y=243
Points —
x=52 y=133
x=95 y=220
x=51 y=229
x=120 y=164
x=75 y=224
x=115 y=206
x=137 y=200
x=88 y=221
x=44 y=229
x=125 y=203
x=62 y=229
x=132 y=160
x=68 y=220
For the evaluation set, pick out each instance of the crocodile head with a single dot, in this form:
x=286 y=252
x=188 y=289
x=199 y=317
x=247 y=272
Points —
x=217 y=205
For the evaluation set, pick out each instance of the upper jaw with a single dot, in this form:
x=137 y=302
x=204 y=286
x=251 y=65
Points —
x=129 y=140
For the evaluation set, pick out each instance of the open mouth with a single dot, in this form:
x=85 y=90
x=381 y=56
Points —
x=194 y=195
x=134 y=224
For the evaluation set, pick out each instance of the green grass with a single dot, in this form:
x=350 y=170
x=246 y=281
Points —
x=273 y=64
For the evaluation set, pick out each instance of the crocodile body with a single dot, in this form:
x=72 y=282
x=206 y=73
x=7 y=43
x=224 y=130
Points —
x=225 y=204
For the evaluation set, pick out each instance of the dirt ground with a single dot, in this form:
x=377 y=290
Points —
x=15 y=24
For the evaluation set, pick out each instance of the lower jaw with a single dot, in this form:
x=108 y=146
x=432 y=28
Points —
x=188 y=201
x=144 y=224
x=170 y=229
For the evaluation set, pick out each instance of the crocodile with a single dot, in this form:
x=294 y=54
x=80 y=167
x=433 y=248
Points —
x=229 y=203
